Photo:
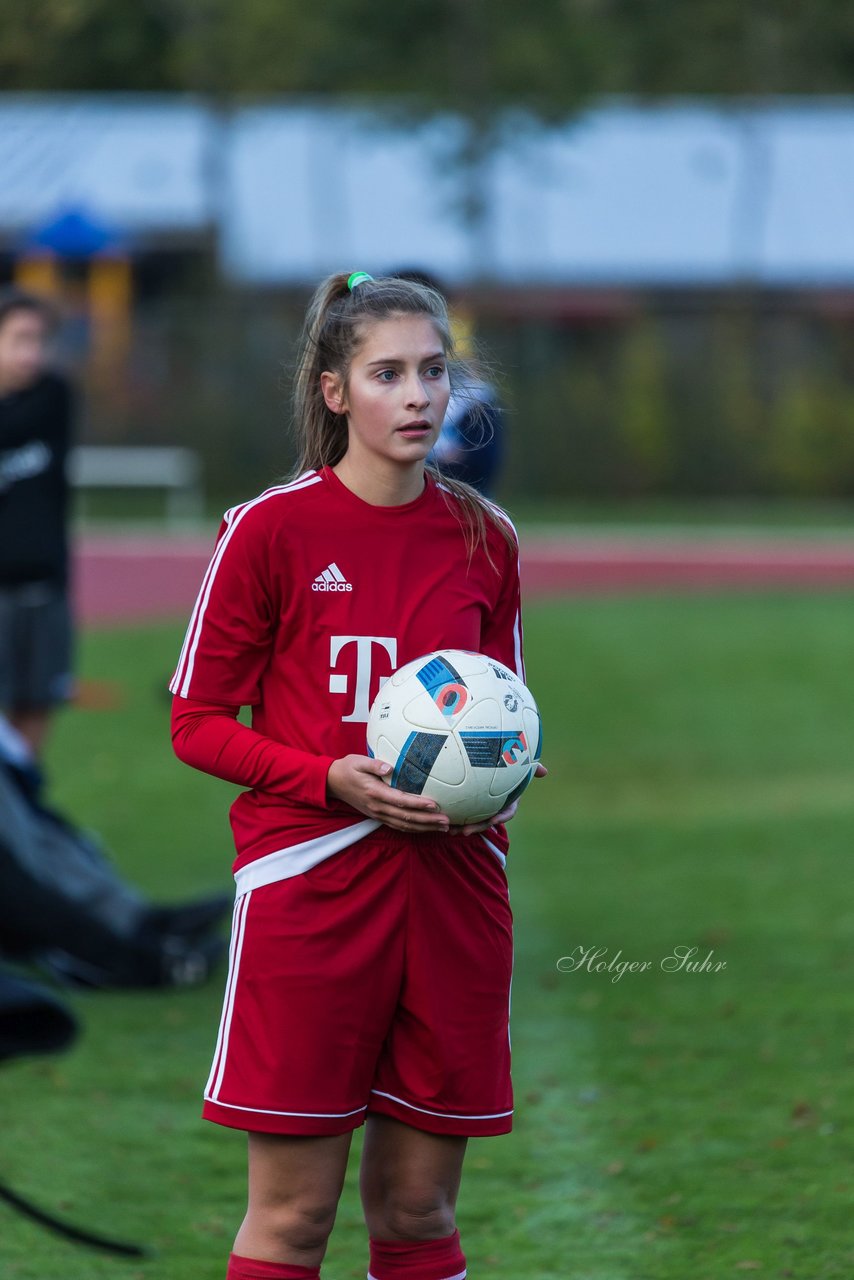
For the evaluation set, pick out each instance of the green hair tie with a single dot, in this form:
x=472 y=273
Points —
x=357 y=278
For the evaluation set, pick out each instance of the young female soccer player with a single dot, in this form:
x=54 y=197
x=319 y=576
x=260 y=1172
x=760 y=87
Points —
x=371 y=951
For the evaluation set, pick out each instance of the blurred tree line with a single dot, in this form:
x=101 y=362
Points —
x=717 y=396
x=727 y=395
x=466 y=55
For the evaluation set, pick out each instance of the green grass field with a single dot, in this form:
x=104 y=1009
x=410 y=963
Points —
x=788 y=516
x=670 y=1125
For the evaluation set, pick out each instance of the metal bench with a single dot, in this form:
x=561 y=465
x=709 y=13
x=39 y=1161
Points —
x=175 y=470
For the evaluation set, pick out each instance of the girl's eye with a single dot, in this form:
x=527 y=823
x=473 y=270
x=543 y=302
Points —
x=386 y=375
x=436 y=371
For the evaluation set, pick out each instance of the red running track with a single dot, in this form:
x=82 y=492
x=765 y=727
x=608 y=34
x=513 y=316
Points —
x=144 y=577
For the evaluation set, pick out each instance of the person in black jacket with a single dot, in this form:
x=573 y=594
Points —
x=36 y=406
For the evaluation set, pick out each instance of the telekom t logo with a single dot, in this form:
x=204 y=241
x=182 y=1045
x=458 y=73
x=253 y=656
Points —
x=364 y=655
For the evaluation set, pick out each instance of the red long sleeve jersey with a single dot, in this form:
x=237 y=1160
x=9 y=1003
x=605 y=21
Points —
x=312 y=599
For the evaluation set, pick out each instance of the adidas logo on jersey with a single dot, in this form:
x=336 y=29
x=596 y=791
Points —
x=332 y=579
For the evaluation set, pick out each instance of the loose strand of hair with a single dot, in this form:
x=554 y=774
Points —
x=475 y=515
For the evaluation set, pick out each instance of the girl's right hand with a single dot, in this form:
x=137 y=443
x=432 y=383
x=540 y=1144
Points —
x=358 y=780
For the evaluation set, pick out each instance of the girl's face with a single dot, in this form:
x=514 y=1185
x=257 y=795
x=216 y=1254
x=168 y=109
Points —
x=396 y=393
x=22 y=344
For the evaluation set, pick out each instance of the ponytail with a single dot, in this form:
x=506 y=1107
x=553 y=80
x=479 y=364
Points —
x=321 y=434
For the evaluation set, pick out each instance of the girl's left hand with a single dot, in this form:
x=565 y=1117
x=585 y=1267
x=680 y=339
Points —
x=474 y=828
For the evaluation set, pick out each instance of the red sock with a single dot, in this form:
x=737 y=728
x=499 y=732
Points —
x=255 y=1269
x=418 y=1259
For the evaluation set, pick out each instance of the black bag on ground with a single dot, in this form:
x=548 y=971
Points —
x=31 y=1019
x=64 y=905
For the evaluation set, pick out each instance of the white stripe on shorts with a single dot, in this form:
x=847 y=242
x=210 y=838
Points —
x=267 y=1111
x=461 y=1275
x=238 y=929
x=447 y=1115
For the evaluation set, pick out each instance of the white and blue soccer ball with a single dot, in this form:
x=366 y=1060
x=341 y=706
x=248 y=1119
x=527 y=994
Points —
x=460 y=728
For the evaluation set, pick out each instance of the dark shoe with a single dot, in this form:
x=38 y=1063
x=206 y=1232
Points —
x=186 y=964
x=188 y=919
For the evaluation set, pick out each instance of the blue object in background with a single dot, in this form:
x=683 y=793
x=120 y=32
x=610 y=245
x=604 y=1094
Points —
x=74 y=232
x=469 y=447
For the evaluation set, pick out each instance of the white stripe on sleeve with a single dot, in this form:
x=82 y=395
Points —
x=180 y=683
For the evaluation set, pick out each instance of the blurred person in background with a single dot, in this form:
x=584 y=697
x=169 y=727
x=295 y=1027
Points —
x=65 y=907
x=36 y=409
x=469 y=447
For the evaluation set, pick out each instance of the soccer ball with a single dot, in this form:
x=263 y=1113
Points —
x=460 y=728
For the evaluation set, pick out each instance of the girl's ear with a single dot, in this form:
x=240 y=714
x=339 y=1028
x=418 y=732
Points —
x=333 y=392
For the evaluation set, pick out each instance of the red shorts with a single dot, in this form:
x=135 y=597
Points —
x=377 y=981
